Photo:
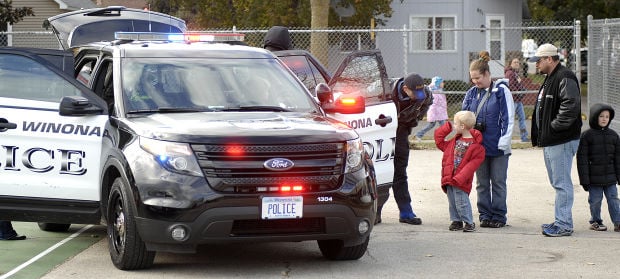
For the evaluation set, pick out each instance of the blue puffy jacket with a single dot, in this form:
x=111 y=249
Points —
x=497 y=114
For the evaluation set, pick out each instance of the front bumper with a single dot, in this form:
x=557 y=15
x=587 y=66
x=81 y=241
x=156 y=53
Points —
x=239 y=224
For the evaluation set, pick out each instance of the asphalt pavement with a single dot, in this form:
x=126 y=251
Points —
x=397 y=250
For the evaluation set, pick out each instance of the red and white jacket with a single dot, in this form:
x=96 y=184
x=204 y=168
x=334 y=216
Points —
x=474 y=156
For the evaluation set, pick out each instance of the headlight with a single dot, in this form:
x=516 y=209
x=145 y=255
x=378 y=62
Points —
x=173 y=156
x=355 y=150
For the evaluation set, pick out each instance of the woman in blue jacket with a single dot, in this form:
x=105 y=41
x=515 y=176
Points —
x=492 y=103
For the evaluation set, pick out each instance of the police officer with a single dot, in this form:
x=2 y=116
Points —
x=412 y=99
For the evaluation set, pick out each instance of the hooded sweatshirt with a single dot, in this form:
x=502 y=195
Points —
x=278 y=38
x=598 y=155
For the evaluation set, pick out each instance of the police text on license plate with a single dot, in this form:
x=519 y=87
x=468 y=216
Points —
x=282 y=207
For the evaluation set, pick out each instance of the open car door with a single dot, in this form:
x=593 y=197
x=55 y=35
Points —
x=363 y=73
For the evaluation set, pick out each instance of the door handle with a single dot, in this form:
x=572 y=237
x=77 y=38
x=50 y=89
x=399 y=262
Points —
x=383 y=120
x=5 y=125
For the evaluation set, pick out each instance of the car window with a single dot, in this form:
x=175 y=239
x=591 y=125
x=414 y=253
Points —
x=24 y=78
x=304 y=70
x=85 y=71
x=361 y=77
x=210 y=84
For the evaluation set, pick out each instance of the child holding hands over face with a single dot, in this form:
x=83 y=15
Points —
x=462 y=155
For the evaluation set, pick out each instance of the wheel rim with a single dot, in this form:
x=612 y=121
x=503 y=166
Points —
x=118 y=225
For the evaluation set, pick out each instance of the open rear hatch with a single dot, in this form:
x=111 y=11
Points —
x=99 y=24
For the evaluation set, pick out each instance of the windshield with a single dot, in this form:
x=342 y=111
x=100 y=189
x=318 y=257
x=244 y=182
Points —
x=211 y=84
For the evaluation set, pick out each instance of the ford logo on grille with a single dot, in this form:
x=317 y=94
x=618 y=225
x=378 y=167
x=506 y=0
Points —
x=278 y=164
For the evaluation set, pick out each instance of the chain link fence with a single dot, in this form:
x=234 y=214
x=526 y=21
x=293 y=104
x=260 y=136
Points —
x=603 y=63
x=34 y=39
x=430 y=51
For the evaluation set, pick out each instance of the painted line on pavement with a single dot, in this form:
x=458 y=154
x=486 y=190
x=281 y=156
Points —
x=47 y=251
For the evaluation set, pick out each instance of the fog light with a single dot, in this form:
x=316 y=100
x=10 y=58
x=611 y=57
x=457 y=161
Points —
x=179 y=233
x=363 y=226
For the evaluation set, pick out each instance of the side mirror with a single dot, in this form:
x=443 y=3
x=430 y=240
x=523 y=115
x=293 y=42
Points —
x=346 y=105
x=78 y=106
x=324 y=93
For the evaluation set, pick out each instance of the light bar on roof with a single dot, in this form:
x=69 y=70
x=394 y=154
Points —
x=180 y=37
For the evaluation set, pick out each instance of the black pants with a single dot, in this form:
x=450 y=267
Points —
x=400 y=186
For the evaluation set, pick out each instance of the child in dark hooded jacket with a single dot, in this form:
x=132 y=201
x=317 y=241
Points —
x=598 y=165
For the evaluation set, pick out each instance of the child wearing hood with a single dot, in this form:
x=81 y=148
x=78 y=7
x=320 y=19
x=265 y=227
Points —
x=598 y=165
x=438 y=111
x=462 y=155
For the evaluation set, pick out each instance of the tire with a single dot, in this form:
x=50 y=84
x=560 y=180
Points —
x=127 y=250
x=54 y=227
x=335 y=250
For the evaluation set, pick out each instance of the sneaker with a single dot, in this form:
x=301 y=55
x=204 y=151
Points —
x=456 y=226
x=411 y=221
x=496 y=225
x=485 y=223
x=418 y=139
x=469 y=227
x=544 y=226
x=15 y=237
x=616 y=227
x=596 y=226
x=555 y=231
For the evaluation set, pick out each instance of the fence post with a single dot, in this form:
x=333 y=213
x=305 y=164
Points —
x=404 y=49
x=577 y=48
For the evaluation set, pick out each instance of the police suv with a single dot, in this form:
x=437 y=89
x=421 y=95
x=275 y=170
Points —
x=174 y=141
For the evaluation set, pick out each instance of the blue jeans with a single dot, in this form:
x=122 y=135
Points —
x=521 y=117
x=428 y=127
x=491 y=188
x=6 y=230
x=595 y=198
x=559 y=161
x=459 y=205
x=400 y=185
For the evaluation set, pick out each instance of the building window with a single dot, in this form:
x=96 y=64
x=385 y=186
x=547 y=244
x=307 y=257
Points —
x=4 y=38
x=437 y=39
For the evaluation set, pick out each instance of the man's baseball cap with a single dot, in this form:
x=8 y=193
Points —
x=544 y=50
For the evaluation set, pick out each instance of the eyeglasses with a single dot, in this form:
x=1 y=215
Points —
x=544 y=57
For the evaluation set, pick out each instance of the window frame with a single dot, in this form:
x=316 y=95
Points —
x=425 y=34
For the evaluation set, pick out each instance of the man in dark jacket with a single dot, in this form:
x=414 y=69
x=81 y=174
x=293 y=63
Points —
x=278 y=38
x=412 y=99
x=556 y=127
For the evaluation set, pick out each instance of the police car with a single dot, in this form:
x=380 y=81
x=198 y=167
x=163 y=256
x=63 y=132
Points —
x=361 y=73
x=174 y=141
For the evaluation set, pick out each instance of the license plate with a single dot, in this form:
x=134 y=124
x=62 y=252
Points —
x=282 y=207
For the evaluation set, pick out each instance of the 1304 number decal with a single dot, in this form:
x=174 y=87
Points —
x=324 y=199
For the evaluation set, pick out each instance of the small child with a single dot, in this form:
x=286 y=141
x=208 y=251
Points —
x=438 y=111
x=598 y=165
x=462 y=155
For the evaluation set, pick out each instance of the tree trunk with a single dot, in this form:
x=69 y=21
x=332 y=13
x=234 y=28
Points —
x=319 y=41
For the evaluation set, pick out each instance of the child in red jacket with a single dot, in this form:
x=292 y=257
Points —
x=462 y=155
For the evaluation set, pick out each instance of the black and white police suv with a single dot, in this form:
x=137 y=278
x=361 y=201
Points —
x=174 y=142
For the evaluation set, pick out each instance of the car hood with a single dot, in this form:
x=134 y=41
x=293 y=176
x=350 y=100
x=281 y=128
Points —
x=94 y=25
x=242 y=127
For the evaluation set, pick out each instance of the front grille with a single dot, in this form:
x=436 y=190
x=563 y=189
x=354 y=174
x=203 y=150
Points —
x=239 y=168
x=278 y=227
